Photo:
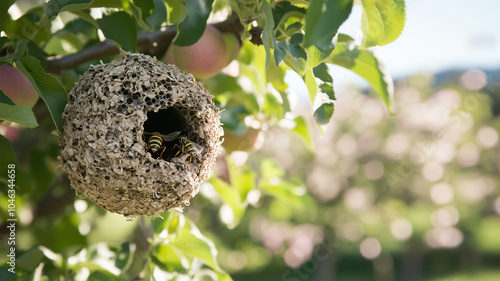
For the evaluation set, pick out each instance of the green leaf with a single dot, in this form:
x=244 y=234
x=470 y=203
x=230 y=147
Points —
x=192 y=243
x=159 y=224
x=271 y=107
x=243 y=179
x=138 y=13
x=146 y=7
x=40 y=172
x=158 y=15
x=67 y=232
x=276 y=75
x=19 y=50
x=382 y=21
x=268 y=33
x=284 y=10
x=223 y=276
x=85 y=15
x=232 y=118
x=253 y=66
x=103 y=274
x=176 y=223
x=6 y=275
x=272 y=183
x=366 y=64
x=302 y=130
x=79 y=25
x=344 y=38
x=8 y=156
x=229 y=196
x=121 y=28
x=246 y=9
x=318 y=53
x=5 y=99
x=37 y=52
x=327 y=88
x=4 y=14
x=321 y=100
x=193 y=26
x=224 y=84
x=323 y=19
x=20 y=114
x=167 y=259
x=3 y=40
x=290 y=193
x=323 y=114
x=47 y=86
x=54 y=7
x=321 y=71
x=29 y=27
x=270 y=169
x=312 y=86
x=293 y=28
x=294 y=55
x=176 y=11
x=30 y=259
x=124 y=256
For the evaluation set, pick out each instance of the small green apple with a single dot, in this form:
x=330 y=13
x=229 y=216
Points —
x=17 y=87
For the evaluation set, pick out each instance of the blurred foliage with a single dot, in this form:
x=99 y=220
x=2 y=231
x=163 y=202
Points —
x=407 y=197
x=364 y=196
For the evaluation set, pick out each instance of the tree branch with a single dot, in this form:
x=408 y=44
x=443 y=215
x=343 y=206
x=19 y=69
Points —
x=150 y=43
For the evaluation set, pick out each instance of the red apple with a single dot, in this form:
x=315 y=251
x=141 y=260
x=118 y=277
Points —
x=208 y=56
x=17 y=87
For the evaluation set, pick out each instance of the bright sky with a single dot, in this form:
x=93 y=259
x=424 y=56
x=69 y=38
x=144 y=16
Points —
x=439 y=35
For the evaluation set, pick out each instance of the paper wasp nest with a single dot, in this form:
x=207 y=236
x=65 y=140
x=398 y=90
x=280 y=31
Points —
x=105 y=132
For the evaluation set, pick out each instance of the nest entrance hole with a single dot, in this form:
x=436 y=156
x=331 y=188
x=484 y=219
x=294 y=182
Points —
x=165 y=121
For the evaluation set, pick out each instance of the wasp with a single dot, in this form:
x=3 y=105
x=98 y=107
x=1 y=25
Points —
x=156 y=140
x=190 y=147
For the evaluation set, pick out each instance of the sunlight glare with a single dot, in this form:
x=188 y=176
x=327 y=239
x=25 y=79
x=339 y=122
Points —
x=433 y=171
x=444 y=152
x=445 y=217
x=370 y=248
x=487 y=137
x=473 y=80
x=442 y=193
x=449 y=237
x=401 y=229
x=397 y=144
x=357 y=199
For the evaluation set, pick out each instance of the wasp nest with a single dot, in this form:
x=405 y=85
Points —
x=107 y=125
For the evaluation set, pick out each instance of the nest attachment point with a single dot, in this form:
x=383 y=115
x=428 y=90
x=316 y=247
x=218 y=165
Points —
x=107 y=125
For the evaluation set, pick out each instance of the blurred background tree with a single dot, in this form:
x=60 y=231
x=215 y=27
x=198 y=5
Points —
x=303 y=189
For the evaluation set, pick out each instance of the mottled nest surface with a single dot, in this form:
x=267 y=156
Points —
x=104 y=135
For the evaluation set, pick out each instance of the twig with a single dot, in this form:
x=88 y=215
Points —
x=151 y=43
